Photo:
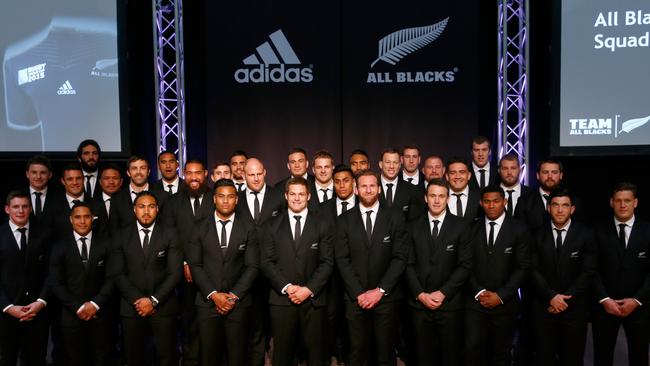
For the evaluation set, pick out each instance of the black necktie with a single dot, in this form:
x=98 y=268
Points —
x=459 y=204
x=410 y=180
x=256 y=207
x=434 y=231
x=107 y=204
x=558 y=241
x=344 y=206
x=621 y=236
x=239 y=186
x=510 y=203
x=389 y=194
x=368 y=224
x=491 y=235
x=23 y=240
x=297 y=229
x=224 y=239
x=324 y=190
x=89 y=190
x=38 y=210
x=545 y=199
x=134 y=194
x=482 y=173
x=145 y=241
x=197 y=206
x=84 y=251
x=75 y=202
x=170 y=189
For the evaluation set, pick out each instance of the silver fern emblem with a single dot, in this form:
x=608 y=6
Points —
x=398 y=44
x=632 y=124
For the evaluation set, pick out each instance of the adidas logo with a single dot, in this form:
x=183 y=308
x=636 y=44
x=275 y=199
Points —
x=277 y=52
x=66 y=89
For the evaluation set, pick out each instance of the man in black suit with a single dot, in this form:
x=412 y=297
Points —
x=440 y=261
x=88 y=155
x=79 y=282
x=297 y=164
x=237 y=162
x=483 y=173
x=72 y=180
x=224 y=260
x=110 y=182
x=184 y=211
x=297 y=259
x=371 y=255
x=344 y=194
x=168 y=166
x=137 y=169
x=146 y=264
x=534 y=212
x=501 y=263
x=463 y=200
x=411 y=166
x=322 y=189
x=622 y=280
x=221 y=170
x=359 y=161
x=24 y=287
x=396 y=193
x=39 y=173
x=509 y=175
x=433 y=168
x=564 y=261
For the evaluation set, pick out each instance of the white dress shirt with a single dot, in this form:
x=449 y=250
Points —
x=132 y=189
x=33 y=197
x=250 y=199
x=440 y=218
x=71 y=199
x=415 y=177
x=451 y=202
x=477 y=173
x=373 y=215
x=384 y=186
x=329 y=188
x=174 y=184
x=93 y=178
x=516 y=193
x=628 y=227
x=228 y=226
x=564 y=231
x=339 y=207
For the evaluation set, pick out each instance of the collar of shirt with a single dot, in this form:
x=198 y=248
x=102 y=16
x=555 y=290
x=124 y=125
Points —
x=229 y=224
x=365 y=209
x=43 y=192
x=499 y=220
x=260 y=194
x=516 y=188
x=93 y=174
x=477 y=169
x=464 y=193
x=565 y=228
x=329 y=187
x=629 y=223
x=351 y=201
x=440 y=218
x=105 y=197
x=70 y=199
x=302 y=214
x=140 y=227
x=15 y=227
x=132 y=189
x=88 y=236
x=174 y=183
x=416 y=177
x=542 y=193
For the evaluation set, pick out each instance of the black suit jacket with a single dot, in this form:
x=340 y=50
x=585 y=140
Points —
x=180 y=215
x=159 y=186
x=505 y=268
x=122 y=206
x=105 y=223
x=526 y=191
x=212 y=271
x=96 y=189
x=327 y=210
x=46 y=216
x=623 y=273
x=569 y=274
x=407 y=198
x=73 y=284
x=24 y=281
x=473 y=209
x=314 y=200
x=59 y=212
x=155 y=273
x=422 y=180
x=308 y=263
x=271 y=206
x=443 y=264
x=532 y=210
x=494 y=177
x=380 y=262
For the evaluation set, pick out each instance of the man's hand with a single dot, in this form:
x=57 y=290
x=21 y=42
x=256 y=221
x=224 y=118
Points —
x=30 y=311
x=299 y=294
x=489 y=299
x=438 y=297
x=611 y=307
x=222 y=302
x=370 y=298
x=186 y=273
x=558 y=303
x=427 y=300
x=627 y=306
x=144 y=307
x=87 y=311
x=16 y=311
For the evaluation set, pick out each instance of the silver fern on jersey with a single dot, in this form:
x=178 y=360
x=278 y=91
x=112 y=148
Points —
x=396 y=45
x=630 y=125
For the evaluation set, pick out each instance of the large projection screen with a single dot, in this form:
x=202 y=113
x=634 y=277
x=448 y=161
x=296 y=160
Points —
x=59 y=81
x=602 y=100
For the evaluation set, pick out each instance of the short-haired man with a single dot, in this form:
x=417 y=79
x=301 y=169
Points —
x=395 y=192
x=221 y=170
x=440 y=260
x=110 y=182
x=622 y=280
x=549 y=176
x=322 y=189
x=24 y=287
x=463 y=200
x=564 y=261
x=137 y=169
x=297 y=164
x=146 y=265
x=82 y=287
x=38 y=171
x=237 y=162
x=433 y=168
x=484 y=174
x=359 y=161
x=224 y=274
x=371 y=255
x=72 y=180
x=297 y=259
x=168 y=166
x=509 y=174
x=501 y=262
x=411 y=166
x=88 y=154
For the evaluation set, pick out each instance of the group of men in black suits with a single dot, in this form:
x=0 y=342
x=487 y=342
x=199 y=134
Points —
x=442 y=265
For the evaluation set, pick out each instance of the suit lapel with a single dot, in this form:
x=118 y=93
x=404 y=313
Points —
x=236 y=237
x=380 y=222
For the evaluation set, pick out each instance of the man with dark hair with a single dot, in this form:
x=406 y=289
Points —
x=224 y=274
x=39 y=172
x=146 y=264
x=345 y=198
x=484 y=173
x=88 y=155
x=221 y=170
x=322 y=189
x=465 y=200
x=110 y=182
x=371 y=255
x=72 y=180
x=168 y=166
x=237 y=162
x=359 y=161
x=395 y=193
x=564 y=261
x=440 y=261
x=297 y=164
x=297 y=259
x=137 y=169
x=622 y=280
x=500 y=248
x=411 y=164
x=433 y=168
x=24 y=287
x=82 y=287
x=549 y=176
x=509 y=174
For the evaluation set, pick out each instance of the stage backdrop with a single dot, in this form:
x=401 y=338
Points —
x=337 y=76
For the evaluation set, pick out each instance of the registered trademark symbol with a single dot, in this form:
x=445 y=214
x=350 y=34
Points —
x=455 y=69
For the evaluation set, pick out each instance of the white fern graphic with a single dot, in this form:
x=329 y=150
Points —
x=632 y=124
x=396 y=45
